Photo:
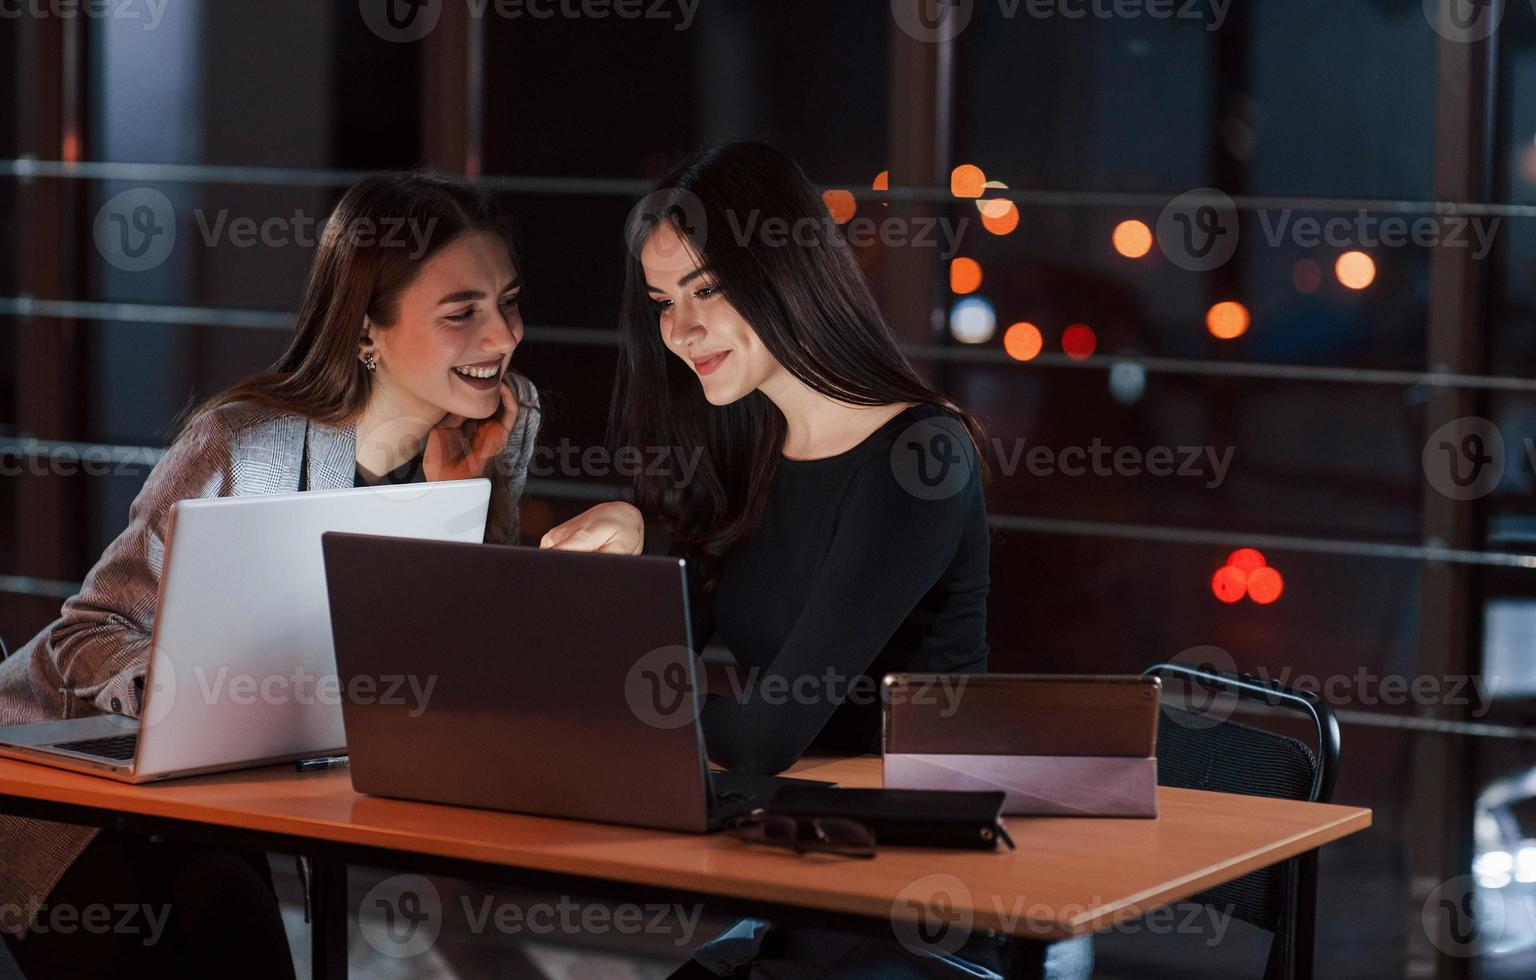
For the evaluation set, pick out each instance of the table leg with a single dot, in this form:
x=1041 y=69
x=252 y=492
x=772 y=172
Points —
x=328 y=928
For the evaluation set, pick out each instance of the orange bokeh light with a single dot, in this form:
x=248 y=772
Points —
x=967 y=180
x=1355 y=270
x=1132 y=239
x=1079 y=341
x=1265 y=585
x=1246 y=560
x=1023 y=341
x=964 y=276
x=1227 y=320
x=1229 y=584
x=1000 y=221
x=842 y=205
x=882 y=181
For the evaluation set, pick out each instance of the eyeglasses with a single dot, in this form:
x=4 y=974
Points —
x=803 y=835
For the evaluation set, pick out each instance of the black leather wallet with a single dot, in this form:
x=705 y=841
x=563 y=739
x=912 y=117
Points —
x=904 y=817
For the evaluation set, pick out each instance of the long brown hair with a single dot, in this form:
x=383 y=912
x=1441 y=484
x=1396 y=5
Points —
x=808 y=302
x=384 y=229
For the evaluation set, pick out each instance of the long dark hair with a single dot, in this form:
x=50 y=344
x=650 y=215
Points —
x=384 y=229
x=805 y=298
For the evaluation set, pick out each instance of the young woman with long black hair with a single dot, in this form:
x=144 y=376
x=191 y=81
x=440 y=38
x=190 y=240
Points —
x=836 y=525
x=398 y=371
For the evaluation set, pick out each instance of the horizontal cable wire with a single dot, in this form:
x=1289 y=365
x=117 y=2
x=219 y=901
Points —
x=44 y=588
x=179 y=173
x=596 y=337
x=118 y=455
x=1283 y=542
x=1420 y=723
x=1435 y=726
x=150 y=313
x=147 y=456
x=28 y=168
x=1228 y=369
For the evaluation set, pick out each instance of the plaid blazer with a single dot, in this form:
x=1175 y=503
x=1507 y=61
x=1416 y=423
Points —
x=88 y=660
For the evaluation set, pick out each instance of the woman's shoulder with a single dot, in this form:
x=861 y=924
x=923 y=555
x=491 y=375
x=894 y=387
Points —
x=925 y=427
x=240 y=426
x=526 y=391
x=925 y=453
x=529 y=406
x=239 y=418
x=529 y=411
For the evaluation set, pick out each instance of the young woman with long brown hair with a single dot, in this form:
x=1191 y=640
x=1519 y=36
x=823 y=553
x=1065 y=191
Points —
x=398 y=370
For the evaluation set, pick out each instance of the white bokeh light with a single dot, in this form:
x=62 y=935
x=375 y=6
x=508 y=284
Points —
x=973 y=320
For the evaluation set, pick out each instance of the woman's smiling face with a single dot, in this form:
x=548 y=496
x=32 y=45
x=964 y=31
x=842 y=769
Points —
x=456 y=326
x=698 y=324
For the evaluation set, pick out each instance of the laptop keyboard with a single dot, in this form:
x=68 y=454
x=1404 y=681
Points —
x=118 y=748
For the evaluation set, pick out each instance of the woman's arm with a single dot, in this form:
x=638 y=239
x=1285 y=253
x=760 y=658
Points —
x=888 y=551
x=99 y=646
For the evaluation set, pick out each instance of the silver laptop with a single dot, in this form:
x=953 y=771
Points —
x=545 y=682
x=241 y=670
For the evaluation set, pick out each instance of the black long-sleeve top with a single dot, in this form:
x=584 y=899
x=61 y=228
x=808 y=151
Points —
x=865 y=563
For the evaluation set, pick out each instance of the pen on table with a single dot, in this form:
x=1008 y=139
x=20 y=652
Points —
x=324 y=762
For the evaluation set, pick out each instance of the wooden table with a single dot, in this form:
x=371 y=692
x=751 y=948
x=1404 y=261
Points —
x=1067 y=878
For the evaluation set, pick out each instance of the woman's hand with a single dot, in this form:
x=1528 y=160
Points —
x=615 y=528
x=460 y=449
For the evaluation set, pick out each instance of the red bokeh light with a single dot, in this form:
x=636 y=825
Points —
x=1247 y=574
x=1265 y=586
x=1229 y=584
x=1246 y=559
x=1079 y=341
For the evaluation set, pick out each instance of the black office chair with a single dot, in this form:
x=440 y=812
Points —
x=1196 y=750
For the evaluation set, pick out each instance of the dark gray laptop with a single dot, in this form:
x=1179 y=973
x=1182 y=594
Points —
x=544 y=682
